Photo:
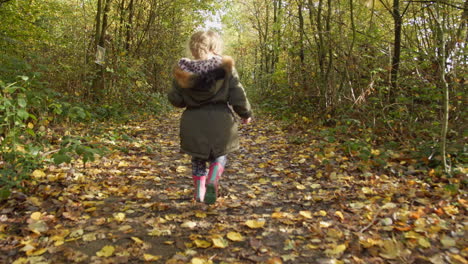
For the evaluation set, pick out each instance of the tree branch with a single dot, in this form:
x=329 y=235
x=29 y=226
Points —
x=3 y=1
x=440 y=2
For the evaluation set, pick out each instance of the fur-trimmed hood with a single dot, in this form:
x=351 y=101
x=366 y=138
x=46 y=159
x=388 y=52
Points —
x=202 y=75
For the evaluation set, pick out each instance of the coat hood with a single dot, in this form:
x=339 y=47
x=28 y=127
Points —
x=202 y=79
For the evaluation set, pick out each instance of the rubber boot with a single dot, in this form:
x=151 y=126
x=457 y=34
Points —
x=200 y=189
x=215 y=172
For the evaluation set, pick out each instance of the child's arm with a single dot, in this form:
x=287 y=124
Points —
x=238 y=98
x=175 y=96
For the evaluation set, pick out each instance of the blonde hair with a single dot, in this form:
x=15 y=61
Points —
x=204 y=42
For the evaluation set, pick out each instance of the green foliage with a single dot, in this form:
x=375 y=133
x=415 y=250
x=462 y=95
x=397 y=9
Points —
x=20 y=155
x=76 y=147
x=25 y=112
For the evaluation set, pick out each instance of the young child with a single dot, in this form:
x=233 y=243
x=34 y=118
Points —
x=209 y=88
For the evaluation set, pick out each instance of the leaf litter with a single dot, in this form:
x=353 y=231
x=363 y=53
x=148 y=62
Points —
x=280 y=202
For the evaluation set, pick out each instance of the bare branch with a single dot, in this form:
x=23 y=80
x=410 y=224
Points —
x=440 y=2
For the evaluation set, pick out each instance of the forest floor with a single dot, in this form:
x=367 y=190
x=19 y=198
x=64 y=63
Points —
x=286 y=197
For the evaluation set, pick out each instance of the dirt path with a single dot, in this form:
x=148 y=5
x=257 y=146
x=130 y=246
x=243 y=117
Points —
x=283 y=200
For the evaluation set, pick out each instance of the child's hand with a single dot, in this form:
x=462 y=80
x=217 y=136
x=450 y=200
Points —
x=246 y=121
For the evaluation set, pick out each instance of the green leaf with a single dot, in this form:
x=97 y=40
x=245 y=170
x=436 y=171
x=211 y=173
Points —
x=61 y=158
x=23 y=114
x=4 y=193
x=22 y=102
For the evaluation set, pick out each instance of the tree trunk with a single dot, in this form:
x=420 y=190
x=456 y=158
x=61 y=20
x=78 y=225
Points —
x=397 y=19
x=98 y=85
x=441 y=40
x=97 y=34
x=301 y=47
x=129 y=26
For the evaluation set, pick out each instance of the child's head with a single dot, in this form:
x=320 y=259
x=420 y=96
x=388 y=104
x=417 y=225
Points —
x=204 y=43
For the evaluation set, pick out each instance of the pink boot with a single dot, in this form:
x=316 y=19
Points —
x=200 y=189
x=216 y=170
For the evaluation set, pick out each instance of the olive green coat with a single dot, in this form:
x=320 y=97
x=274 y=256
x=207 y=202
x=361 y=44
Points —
x=208 y=126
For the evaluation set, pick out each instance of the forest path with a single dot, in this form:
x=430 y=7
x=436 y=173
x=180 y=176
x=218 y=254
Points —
x=284 y=199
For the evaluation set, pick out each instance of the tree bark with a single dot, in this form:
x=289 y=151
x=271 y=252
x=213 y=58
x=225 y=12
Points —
x=301 y=46
x=129 y=26
x=397 y=18
x=98 y=85
x=442 y=42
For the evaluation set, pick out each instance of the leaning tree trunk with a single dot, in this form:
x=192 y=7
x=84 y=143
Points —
x=442 y=59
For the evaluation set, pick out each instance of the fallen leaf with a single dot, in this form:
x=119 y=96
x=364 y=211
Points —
x=340 y=215
x=255 y=224
x=200 y=261
x=336 y=250
x=306 y=214
x=38 y=227
x=234 y=236
x=219 y=242
x=202 y=243
x=36 y=216
x=119 y=217
x=423 y=242
x=106 y=251
x=137 y=240
x=189 y=224
x=38 y=174
x=447 y=241
x=149 y=257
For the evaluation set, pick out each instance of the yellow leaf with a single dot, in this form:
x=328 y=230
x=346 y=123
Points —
x=155 y=232
x=137 y=240
x=447 y=241
x=122 y=164
x=391 y=249
x=336 y=251
x=149 y=257
x=189 y=224
x=181 y=169
x=38 y=174
x=38 y=252
x=340 y=215
x=234 y=236
x=322 y=213
x=366 y=190
x=219 y=242
x=255 y=224
x=35 y=201
x=312 y=246
x=202 y=243
x=89 y=237
x=315 y=186
x=106 y=251
x=277 y=215
x=36 y=216
x=459 y=259
x=119 y=217
x=20 y=261
x=200 y=214
x=200 y=261
x=306 y=214
x=300 y=187
x=325 y=224
x=423 y=242
x=370 y=242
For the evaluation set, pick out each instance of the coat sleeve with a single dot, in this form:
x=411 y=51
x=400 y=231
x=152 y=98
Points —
x=238 y=98
x=175 y=96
